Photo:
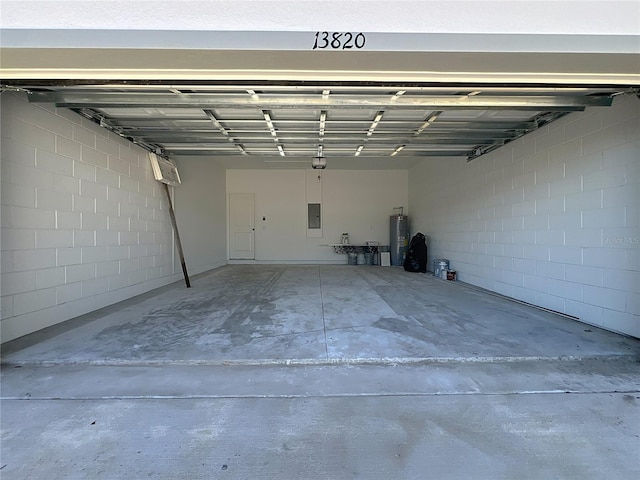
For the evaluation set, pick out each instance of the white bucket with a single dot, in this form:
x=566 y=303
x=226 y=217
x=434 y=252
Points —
x=440 y=264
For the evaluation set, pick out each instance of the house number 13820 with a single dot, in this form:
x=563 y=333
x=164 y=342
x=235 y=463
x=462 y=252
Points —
x=338 y=40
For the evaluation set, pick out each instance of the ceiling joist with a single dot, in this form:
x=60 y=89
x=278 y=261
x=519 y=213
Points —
x=269 y=102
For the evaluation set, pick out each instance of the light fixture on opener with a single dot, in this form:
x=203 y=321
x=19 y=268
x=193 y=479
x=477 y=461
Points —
x=319 y=163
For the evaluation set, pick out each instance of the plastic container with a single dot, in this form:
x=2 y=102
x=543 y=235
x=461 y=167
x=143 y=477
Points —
x=440 y=264
x=352 y=258
x=434 y=269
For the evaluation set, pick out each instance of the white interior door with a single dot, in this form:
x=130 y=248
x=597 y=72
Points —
x=241 y=226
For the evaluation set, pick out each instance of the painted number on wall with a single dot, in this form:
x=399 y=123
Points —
x=338 y=40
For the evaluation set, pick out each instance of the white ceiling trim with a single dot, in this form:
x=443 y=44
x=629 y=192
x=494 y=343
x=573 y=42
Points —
x=343 y=66
x=596 y=78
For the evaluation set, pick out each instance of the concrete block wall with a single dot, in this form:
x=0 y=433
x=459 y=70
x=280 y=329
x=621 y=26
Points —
x=84 y=224
x=552 y=219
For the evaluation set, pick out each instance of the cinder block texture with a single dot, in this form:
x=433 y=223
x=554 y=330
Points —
x=582 y=175
x=68 y=225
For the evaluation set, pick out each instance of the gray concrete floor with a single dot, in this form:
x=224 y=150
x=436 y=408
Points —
x=320 y=372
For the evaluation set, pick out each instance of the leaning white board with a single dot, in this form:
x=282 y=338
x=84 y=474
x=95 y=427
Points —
x=164 y=170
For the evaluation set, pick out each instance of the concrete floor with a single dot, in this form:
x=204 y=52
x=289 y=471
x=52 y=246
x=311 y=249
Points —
x=320 y=372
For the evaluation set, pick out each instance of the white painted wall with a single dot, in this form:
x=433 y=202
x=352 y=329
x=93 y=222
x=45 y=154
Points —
x=615 y=17
x=552 y=219
x=357 y=202
x=200 y=206
x=84 y=224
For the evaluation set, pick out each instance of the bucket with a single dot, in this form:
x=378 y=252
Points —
x=352 y=258
x=440 y=264
x=443 y=267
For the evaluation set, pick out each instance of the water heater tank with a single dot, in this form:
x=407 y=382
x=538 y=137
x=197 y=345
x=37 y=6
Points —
x=399 y=238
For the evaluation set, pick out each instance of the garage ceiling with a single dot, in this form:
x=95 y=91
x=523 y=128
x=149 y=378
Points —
x=309 y=119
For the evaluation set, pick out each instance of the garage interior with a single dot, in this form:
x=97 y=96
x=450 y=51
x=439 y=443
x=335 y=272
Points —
x=283 y=360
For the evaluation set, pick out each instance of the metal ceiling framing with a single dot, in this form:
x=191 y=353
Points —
x=335 y=119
